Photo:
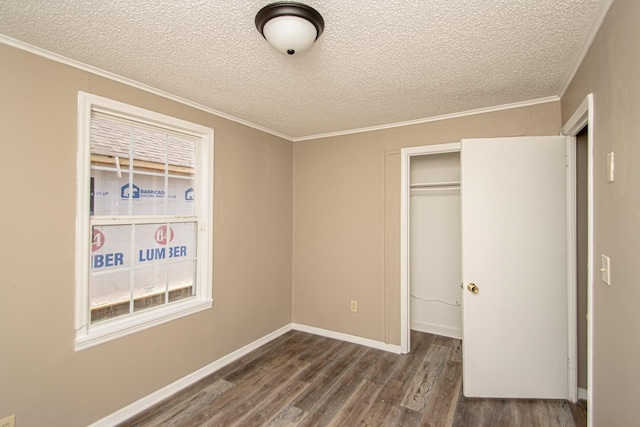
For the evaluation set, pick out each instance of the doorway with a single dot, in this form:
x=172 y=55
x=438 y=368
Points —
x=405 y=197
x=582 y=233
x=580 y=128
x=434 y=244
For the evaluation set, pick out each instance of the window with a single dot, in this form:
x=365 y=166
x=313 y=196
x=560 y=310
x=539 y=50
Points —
x=145 y=219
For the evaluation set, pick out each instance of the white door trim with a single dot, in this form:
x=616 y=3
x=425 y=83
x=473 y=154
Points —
x=405 y=195
x=583 y=116
x=572 y=279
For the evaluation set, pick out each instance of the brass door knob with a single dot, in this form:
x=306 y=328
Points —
x=473 y=288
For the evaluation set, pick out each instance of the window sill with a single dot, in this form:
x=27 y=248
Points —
x=102 y=332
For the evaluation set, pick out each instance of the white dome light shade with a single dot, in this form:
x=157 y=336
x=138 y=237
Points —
x=290 y=34
x=289 y=27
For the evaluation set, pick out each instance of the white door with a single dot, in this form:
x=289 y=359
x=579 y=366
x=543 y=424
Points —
x=514 y=251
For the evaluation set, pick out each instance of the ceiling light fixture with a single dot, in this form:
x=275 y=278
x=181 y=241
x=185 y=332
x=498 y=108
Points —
x=289 y=27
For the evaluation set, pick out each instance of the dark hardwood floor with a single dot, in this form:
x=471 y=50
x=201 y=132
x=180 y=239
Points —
x=301 y=379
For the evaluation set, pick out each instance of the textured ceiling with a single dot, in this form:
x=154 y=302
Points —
x=378 y=62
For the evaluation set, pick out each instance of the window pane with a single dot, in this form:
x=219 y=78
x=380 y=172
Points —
x=182 y=154
x=181 y=278
x=110 y=247
x=181 y=198
x=110 y=138
x=110 y=193
x=150 y=195
x=183 y=245
x=150 y=286
x=109 y=295
x=150 y=148
x=182 y=161
x=151 y=243
x=109 y=275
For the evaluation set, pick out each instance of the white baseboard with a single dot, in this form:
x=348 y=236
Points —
x=433 y=328
x=157 y=396
x=582 y=393
x=346 y=337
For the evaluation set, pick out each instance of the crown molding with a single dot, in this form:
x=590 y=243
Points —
x=433 y=119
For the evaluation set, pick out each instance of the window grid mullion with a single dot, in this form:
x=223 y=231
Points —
x=166 y=171
x=142 y=220
x=130 y=200
x=132 y=272
x=165 y=266
x=170 y=175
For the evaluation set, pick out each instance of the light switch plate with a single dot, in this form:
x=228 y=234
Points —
x=610 y=167
x=606 y=269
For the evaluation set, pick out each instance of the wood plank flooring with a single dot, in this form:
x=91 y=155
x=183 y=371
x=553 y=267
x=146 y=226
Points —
x=301 y=379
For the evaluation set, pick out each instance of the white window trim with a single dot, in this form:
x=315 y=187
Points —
x=88 y=335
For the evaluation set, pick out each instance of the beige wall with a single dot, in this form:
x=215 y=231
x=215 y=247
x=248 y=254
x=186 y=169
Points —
x=611 y=71
x=44 y=381
x=346 y=215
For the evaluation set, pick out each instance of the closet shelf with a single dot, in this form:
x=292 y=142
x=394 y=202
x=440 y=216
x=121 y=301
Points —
x=435 y=184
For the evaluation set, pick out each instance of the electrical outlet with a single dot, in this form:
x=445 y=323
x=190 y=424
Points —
x=9 y=421
x=354 y=306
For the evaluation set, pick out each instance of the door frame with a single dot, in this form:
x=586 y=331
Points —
x=583 y=116
x=405 y=216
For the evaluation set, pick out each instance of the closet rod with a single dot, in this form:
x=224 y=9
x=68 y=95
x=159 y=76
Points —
x=435 y=184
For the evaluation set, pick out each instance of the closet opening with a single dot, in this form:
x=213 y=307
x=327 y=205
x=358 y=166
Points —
x=430 y=255
x=435 y=244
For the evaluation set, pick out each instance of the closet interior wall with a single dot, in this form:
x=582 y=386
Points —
x=435 y=239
